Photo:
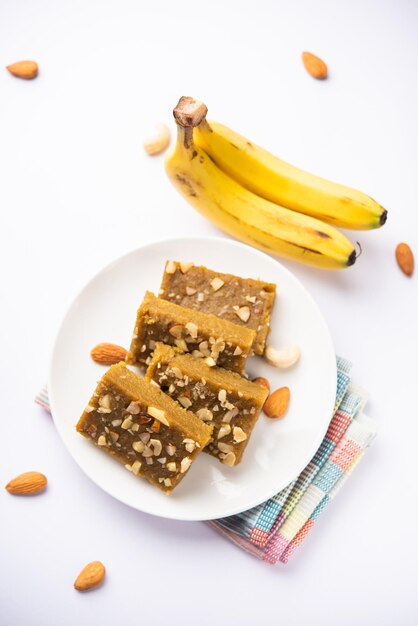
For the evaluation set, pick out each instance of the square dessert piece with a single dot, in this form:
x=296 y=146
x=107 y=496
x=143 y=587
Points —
x=225 y=399
x=214 y=340
x=143 y=428
x=243 y=301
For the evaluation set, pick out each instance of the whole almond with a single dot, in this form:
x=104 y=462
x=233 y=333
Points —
x=90 y=576
x=405 y=258
x=24 y=69
x=262 y=381
x=27 y=484
x=108 y=353
x=276 y=404
x=314 y=65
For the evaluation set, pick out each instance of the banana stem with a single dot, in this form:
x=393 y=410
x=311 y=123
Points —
x=185 y=136
x=189 y=112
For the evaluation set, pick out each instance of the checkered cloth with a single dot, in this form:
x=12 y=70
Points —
x=273 y=530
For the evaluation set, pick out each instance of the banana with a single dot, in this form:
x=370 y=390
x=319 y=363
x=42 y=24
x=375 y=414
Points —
x=282 y=183
x=243 y=214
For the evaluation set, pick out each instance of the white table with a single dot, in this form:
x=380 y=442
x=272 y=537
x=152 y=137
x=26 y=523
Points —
x=77 y=191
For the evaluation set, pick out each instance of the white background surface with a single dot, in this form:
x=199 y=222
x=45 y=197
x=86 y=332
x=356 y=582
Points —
x=76 y=191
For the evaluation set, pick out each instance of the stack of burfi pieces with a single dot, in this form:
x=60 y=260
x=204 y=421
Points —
x=193 y=341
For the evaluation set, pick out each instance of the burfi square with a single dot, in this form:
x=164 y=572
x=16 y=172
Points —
x=243 y=301
x=215 y=341
x=229 y=402
x=143 y=428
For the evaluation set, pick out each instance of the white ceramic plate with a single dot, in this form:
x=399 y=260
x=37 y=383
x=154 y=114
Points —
x=278 y=450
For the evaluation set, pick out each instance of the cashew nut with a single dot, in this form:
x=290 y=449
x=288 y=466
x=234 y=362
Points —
x=282 y=358
x=158 y=140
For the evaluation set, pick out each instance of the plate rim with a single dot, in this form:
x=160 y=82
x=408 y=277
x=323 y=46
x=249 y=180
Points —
x=176 y=240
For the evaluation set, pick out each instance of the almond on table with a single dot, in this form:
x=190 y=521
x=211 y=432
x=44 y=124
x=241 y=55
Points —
x=143 y=428
x=91 y=576
x=24 y=69
x=27 y=484
x=315 y=66
x=243 y=301
x=405 y=258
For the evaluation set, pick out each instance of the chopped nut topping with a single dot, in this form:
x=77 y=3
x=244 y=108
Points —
x=138 y=446
x=102 y=441
x=89 y=408
x=190 y=291
x=133 y=408
x=158 y=414
x=177 y=372
x=224 y=430
x=127 y=423
x=171 y=388
x=147 y=452
x=210 y=361
x=217 y=283
x=222 y=396
x=185 y=267
x=193 y=329
x=171 y=267
x=251 y=299
x=104 y=404
x=167 y=482
x=136 y=466
x=116 y=423
x=239 y=434
x=172 y=467
x=204 y=414
x=200 y=297
x=114 y=436
x=243 y=313
x=170 y=449
x=185 y=464
x=128 y=467
x=176 y=330
x=229 y=459
x=227 y=417
x=184 y=402
x=156 y=445
x=237 y=351
x=149 y=460
x=224 y=447
x=180 y=343
x=190 y=444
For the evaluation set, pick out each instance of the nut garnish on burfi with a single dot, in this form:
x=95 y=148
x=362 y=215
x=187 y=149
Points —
x=143 y=428
x=223 y=399
x=214 y=340
x=243 y=301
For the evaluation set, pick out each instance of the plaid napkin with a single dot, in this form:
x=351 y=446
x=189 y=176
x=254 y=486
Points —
x=273 y=530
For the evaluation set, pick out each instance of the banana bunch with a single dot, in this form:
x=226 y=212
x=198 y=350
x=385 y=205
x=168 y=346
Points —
x=262 y=200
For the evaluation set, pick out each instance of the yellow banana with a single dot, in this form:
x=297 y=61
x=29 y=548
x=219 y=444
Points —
x=241 y=213
x=282 y=183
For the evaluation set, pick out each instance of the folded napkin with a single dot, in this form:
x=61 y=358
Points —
x=273 y=530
